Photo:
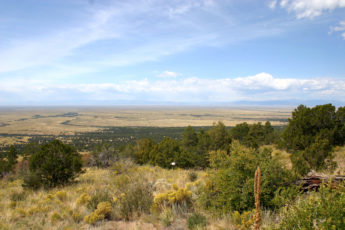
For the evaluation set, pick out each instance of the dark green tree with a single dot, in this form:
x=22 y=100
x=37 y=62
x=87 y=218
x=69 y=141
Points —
x=54 y=164
x=269 y=136
x=8 y=161
x=253 y=135
x=30 y=149
x=230 y=188
x=311 y=134
x=12 y=156
x=142 y=150
x=240 y=132
x=339 y=138
x=219 y=137
x=165 y=153
x=189 y=138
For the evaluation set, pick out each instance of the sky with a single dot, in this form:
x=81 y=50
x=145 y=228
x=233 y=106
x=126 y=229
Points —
x=202 y=52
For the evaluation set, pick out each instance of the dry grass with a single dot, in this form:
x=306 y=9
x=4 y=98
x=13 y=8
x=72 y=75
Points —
x=13 y=140
x=282 y=155
x=58 y=208
x=339 y=157
x=50 y=121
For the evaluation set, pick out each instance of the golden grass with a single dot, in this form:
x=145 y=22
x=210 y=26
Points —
x=61 y=208
x=23 y=121
x=282 y=156
x=13 y=140
x=339 y=157
x=65 y=208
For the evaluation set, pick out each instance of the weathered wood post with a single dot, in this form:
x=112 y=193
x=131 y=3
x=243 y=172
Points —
x=257 y=182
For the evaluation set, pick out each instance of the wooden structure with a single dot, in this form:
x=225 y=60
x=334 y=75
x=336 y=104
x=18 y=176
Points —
x=312 y=182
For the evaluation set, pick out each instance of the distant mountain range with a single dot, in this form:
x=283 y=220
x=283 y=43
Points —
x=274 y=103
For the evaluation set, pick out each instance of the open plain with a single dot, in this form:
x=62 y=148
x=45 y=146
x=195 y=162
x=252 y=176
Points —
x=68 y=120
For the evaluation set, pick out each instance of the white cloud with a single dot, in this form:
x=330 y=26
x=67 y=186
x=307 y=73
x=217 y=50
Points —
x=262 y=86
x=117 y=21
x=311 y=8
x=168 y=74
x=272 y=4
x=120 y=33
x=339 y=28
x=44 y=49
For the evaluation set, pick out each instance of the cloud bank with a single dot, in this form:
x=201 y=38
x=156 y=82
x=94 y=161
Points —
x=260 y=87
x=310 y=8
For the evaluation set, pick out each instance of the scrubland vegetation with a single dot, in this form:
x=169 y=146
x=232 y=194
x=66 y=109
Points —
x=203 y=180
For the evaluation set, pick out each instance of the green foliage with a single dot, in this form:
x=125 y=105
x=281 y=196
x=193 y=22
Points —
x=194 y=147
x=317 y=156
x=322 y=210
x=254 y=135
x=286 y=195
x=189 y=138
x=202 y=149
x=196 y=220
x=240 y=132
x=142 y=150
x=30 y=149
x=219 y=137
x=32 y=180
x=54 y=164
x=311 y=134
x=8 y=162
x=191 y=151
x=12 y=156
x=230 y=188
x=219 y=159
x=192 y=176
x=165 y=153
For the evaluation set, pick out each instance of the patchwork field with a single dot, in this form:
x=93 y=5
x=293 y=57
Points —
x=68 y=120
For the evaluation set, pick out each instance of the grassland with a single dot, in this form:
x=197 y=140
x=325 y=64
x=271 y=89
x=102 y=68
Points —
x=62 y=208
x=68 y=120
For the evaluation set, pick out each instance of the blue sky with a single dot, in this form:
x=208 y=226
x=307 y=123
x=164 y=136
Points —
x=105 y=52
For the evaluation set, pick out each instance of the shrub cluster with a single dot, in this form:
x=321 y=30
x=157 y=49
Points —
x=134 y=194
x=230 y=187
x=54 y=164
x=104 y=155
x=191 y=151
x=196 y=221
x=102 y=211
x=8 y=161
x=254 y=135
x=178 y=197
x=322 y=210
x=311 y=134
